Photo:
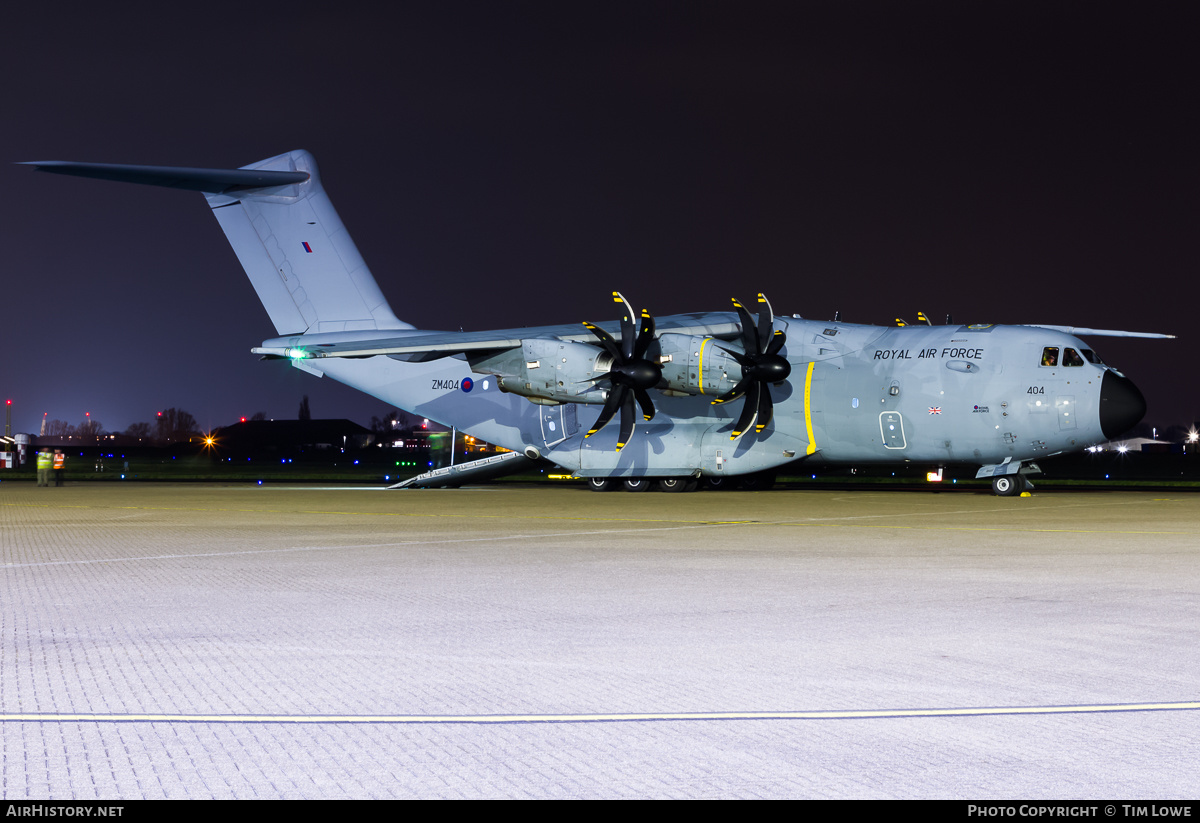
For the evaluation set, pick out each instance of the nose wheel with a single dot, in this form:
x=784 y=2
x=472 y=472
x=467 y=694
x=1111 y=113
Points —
x=1009 y=485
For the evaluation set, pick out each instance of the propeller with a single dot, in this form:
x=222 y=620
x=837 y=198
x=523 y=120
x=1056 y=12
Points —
x=761 y=364
x=630 y=375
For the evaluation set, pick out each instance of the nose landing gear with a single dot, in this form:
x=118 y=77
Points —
x=1009 y=485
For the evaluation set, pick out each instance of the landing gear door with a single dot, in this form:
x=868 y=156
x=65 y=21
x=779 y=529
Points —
x=891 y=427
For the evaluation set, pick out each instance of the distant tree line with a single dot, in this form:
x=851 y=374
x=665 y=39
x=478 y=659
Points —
x=61 y=428
x=170 y=426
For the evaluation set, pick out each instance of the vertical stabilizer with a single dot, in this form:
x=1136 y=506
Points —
x=298 y=255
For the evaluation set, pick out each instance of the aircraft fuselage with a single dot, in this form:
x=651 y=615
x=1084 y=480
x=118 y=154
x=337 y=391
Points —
x=857 y=394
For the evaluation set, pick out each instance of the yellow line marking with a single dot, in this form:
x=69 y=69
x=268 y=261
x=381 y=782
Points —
x=700 y=368
x=853 y=714
x=812 y=445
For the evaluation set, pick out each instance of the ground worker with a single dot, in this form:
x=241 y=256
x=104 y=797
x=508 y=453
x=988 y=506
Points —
x=60 y=460
x=43 y=467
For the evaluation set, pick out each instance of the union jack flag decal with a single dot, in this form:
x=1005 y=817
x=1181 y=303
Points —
x=935 y=409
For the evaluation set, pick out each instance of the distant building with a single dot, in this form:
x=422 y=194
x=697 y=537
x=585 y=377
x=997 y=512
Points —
x=253 y=436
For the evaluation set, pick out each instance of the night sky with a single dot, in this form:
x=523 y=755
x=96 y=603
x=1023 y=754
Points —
x=506 y=164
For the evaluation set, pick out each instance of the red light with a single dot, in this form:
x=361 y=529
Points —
x=243 y=420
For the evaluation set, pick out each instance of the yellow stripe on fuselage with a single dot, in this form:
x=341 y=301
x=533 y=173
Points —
x=812 y=445
x=700 y=369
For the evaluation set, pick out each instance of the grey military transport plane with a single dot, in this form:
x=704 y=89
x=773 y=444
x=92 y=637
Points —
x=711 y=397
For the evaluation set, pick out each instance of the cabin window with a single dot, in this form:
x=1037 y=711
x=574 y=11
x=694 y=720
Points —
x=1072 y=358
x=1050 y=356
x=1092 y=357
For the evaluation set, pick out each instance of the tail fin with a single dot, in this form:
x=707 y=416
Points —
x=300 y=258
x=298 y=255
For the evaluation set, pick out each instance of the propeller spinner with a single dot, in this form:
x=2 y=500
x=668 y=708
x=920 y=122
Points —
x=761 y=364
x=630 y=375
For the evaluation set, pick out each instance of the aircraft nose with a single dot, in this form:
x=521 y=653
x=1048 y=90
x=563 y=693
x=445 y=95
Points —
x=1121 y=405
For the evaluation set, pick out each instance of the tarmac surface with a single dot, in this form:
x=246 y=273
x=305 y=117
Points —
x=189 y=641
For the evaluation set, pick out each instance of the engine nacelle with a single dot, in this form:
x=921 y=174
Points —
x=693 y=365
x=549 y=371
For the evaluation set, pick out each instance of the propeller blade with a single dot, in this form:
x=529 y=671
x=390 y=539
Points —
x=734 y=393
x=742 y=360
x=647 y=405
x=627 y=326
x=749 y=411
x=645 y=335
x=766 y=409
x=627 y=421
x=610 y=408
x=766 y=321
x=777 y=341
x=606 y=340
x=749 y=333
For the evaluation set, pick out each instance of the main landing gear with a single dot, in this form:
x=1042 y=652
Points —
x=750 y=482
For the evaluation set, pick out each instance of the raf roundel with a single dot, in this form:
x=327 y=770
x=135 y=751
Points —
x=467 y=384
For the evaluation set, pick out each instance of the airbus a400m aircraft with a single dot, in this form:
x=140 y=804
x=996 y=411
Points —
x=712 y=396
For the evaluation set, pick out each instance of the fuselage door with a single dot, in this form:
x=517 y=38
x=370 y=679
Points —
x=1064 y=408
x=891 y=426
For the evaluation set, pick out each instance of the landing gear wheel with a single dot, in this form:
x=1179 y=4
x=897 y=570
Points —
x=677 y=484
x=601 y=484
x=716 y=484
x=637 y=484
x=1008 y=485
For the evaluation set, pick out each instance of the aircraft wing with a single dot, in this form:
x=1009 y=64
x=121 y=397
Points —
x=1079 y=331
x=422 y=345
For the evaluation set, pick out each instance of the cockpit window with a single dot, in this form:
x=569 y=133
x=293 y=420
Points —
x=1092 y=357
x=1050 y=356
x=1072 y=358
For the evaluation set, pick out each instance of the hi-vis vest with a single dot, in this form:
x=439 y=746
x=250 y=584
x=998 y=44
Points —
x=59 y=459
x=43 y=460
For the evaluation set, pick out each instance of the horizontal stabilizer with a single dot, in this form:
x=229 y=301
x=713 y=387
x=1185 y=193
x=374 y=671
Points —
x=213 y=181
